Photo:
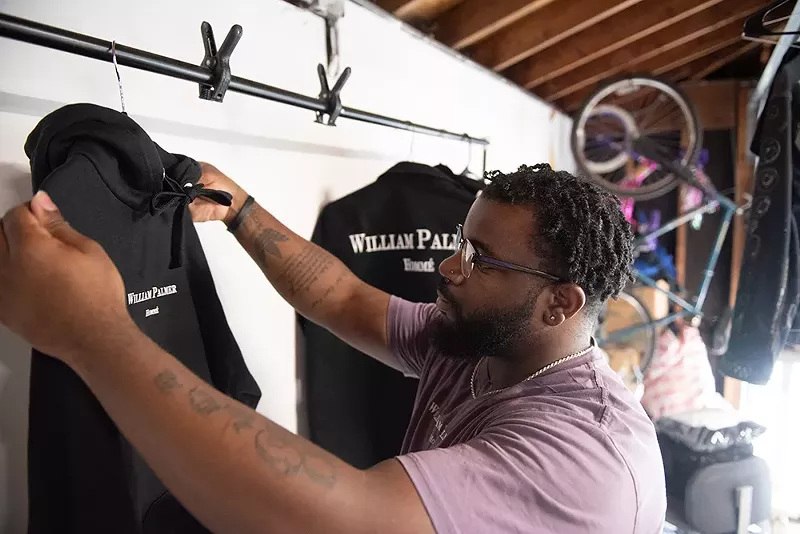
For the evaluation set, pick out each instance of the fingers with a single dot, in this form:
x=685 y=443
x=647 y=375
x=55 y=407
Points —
x=3 y=244
x=48 y=216
x=18 y=225
x=4 y=253
x=40 y=218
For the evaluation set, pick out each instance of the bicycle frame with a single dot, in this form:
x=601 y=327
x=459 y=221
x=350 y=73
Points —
x=714 y=200
x=634 y=181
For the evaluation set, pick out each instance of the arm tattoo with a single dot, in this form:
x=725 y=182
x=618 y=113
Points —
x=303 y=269
x=274 y=449
x=203 y=402
x=267 y=241
x=300 y=271
x=241 y=418
x=331 y=288
x=282 y=456
x=166 y=381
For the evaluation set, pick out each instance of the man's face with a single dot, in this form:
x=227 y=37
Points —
x=492 y=312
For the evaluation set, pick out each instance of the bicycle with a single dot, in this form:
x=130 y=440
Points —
x=639 y=137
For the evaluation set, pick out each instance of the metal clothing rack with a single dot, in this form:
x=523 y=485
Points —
x=214 y=75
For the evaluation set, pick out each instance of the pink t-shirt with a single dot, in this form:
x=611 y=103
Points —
x=568 y=452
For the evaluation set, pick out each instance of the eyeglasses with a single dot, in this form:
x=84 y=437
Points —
x=470 y=257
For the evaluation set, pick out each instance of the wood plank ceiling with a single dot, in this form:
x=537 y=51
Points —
x=562 y=50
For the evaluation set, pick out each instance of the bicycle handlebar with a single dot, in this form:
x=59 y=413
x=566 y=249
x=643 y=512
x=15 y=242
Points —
x=650 y=150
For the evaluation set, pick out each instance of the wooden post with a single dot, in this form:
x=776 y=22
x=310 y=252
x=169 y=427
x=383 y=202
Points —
x=681 y=240
x=743 y=186
x=681 y=233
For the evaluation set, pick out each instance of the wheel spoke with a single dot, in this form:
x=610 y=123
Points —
x=669 y=140
x=658 y=112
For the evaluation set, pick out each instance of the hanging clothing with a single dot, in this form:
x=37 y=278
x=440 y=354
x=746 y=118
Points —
x=769 y=285
x=392 y=234
x=113 y=184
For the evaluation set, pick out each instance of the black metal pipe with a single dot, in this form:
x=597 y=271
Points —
x=28 y=31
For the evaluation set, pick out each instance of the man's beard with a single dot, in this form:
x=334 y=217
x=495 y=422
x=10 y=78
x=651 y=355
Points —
x=486 y=332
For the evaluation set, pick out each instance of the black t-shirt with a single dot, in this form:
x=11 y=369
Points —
x=392 y=234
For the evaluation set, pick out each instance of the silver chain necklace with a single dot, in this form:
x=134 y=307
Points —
x=534 y=375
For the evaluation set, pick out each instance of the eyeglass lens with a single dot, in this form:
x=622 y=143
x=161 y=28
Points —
x=467 y=252
x=467 y=258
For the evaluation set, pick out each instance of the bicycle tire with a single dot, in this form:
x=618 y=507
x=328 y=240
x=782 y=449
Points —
x=666 y=184
x=647 y=322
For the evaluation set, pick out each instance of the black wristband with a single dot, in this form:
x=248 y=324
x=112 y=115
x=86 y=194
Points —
x=237 y=221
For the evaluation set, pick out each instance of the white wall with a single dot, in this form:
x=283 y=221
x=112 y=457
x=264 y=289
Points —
x=285 y=160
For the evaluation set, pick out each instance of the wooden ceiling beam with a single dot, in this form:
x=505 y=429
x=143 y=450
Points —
x=722 y=61
x=574 y=101
x=415 y=11
x=700 y=68
x=640 y=56
x=686 y=71
x=703 y=67
x=473 y=20
x=392 y=5
x=641 y=21
x=689 y=52
x=540 y=30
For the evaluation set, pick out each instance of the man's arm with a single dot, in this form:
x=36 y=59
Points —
x=313 y=281
x=317 y=284
x=233 y=469
x=236 y=471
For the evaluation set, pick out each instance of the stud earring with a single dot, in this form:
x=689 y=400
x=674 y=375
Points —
x=552 y=317
x=452 y=271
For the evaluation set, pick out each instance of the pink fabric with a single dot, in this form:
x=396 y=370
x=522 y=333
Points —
x=680 y=378
x=568 y=452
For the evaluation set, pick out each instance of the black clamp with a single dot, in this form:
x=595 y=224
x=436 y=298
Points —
x=219 y=62
x=331 y=97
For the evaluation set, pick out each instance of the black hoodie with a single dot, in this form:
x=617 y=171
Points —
x=392 y=234
x=767 y=298
x=113 y=184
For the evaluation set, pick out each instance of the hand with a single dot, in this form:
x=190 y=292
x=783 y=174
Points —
x=203 y=210
x=58 y=289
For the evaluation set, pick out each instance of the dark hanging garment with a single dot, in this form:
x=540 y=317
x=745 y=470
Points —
x=392 y=234
x=769 y=286
x=113 y=184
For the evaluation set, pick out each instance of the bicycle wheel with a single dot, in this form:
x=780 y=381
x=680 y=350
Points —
x=626 y=333
x=624 y=110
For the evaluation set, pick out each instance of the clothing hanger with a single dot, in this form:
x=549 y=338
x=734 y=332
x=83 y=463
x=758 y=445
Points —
x=483 y=165
x=119 y=79
x=411 y=146
x=467 y=172
x=761 y=26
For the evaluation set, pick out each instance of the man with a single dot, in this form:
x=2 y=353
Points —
x=519 y=426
